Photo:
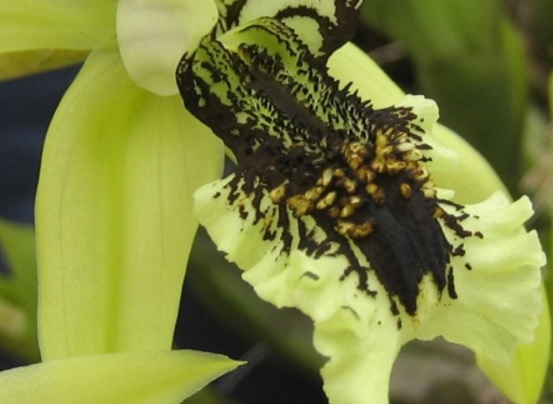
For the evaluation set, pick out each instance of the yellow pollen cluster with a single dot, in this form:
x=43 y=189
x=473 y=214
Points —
x=389 y=157
x=341 y=192
x=394 y=152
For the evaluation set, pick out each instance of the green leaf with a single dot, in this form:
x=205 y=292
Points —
x=113 y=216
x=541 y=14
x=18 y=292
x=429 y=28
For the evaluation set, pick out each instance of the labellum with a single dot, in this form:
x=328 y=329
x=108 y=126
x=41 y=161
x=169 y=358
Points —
x=317 y=152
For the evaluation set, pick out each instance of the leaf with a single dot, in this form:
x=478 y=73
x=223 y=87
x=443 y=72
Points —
x=18 y=291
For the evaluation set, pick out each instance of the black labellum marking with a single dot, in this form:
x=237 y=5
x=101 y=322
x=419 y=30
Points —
x=334 y=30
x=319 y=152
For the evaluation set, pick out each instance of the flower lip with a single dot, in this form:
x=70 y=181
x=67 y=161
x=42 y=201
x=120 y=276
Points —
x=319 y=151
x=293 y=136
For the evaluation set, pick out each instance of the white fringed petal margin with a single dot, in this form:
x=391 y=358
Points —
x=498 y=302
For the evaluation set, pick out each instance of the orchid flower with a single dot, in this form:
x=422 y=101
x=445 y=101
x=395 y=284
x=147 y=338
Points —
x=348 y=211
x=113 y=210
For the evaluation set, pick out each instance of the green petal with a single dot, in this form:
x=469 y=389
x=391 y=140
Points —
x=153 y=35
x=114 y=223
x=499 y=292
x=148 y=377
x=351 y=64
x=444 y=159
x=471 y=177
x=55 y=24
